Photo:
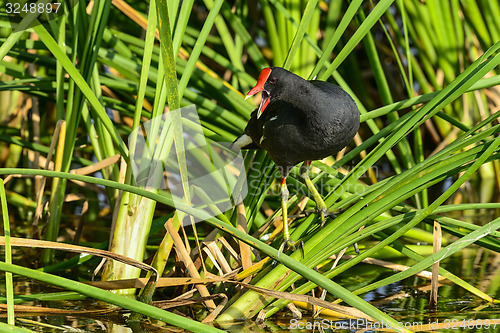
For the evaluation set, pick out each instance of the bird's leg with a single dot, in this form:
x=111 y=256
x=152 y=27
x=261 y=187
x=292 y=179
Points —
x=284 y=214
x=287 y=241
x=320 y=204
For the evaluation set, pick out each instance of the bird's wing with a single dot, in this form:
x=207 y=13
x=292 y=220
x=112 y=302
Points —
x=329 y=88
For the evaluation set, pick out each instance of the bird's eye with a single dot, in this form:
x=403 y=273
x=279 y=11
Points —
x=273 y=80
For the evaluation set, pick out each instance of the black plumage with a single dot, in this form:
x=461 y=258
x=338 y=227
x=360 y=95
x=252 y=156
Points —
x=299 y=121
x=304 y=120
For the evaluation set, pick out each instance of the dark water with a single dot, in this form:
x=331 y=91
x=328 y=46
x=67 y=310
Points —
x=405 y=301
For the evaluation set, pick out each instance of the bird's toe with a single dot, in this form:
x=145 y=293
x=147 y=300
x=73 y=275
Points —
x=289 y=244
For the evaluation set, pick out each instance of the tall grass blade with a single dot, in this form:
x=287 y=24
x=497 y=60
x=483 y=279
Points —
x=9 y=288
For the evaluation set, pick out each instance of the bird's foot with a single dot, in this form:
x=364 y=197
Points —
x=356 y=248
x=323 y=212
x=290 y=244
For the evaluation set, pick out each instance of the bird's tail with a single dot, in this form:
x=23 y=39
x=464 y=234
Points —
x=243 y=142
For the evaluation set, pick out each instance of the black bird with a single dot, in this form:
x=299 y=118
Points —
x=299 y=121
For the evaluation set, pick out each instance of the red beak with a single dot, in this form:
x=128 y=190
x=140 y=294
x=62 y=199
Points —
x=263 y=76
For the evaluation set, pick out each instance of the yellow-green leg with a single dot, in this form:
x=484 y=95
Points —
x=320 y=204
x=287 y=240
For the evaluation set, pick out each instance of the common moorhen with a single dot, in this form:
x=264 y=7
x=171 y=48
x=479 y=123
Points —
x=299 y=121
